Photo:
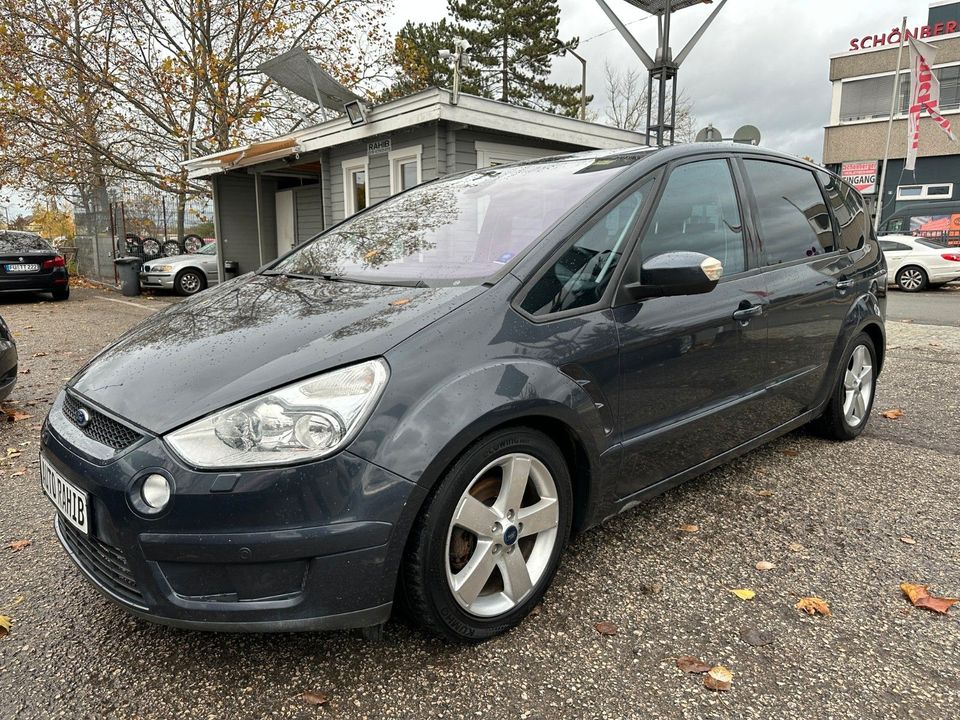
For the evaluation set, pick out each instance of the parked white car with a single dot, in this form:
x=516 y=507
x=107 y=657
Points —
x=187 y=274
x=915 y=264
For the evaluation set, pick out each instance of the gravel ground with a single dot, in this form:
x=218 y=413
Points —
x=72 y=654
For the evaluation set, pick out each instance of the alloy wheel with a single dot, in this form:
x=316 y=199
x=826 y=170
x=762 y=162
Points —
x=910 y=279
x=190 y=282
x=502 y=534
x=857 y=386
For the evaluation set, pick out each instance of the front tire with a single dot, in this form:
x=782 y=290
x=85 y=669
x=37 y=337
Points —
x=488 y=541
x=848 y=410
x=189 y=282
x=912 y=279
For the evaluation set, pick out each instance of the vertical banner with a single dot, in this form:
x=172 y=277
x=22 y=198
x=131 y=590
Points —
x=924 y=94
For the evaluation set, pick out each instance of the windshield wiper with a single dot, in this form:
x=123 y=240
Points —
x=302 y=276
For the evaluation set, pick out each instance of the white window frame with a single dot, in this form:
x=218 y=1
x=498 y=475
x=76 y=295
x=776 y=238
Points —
x=400 y=157
x=925 y=192
x=349 y=167
x=489 y=153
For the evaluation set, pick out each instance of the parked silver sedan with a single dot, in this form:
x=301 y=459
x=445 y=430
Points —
x=187 y=274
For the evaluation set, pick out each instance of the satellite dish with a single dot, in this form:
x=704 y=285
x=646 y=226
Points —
x=709 y=134
x=747 y=135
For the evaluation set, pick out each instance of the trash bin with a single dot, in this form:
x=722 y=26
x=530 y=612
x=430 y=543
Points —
x=129 y=270
x=231 y=268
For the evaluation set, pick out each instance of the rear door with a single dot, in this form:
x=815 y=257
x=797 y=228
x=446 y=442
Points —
x=692 y=367
x=809 y=277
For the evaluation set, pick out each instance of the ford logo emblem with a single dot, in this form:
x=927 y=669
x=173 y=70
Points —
x=83 y=417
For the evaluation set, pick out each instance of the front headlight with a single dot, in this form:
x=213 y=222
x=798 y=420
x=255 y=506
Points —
x=162 y=268
x=310 y=419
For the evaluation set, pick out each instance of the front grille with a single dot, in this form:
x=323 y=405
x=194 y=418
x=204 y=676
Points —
x=104 y=562
x=104 y=430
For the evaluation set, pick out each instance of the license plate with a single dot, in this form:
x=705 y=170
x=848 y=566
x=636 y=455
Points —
x=71 y=501
x=22 y=267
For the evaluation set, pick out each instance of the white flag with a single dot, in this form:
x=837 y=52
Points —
x=924 y=94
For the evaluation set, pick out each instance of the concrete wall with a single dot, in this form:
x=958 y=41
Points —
x=866 y=141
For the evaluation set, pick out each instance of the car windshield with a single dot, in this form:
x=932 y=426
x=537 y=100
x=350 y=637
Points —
x=14 y=242
x=210 y=249
x=453 y=231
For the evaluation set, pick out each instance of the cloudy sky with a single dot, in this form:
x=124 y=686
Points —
x=762 y=62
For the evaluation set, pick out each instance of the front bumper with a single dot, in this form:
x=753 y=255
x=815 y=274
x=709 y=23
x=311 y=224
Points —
x=163 y=281
x=315 y=546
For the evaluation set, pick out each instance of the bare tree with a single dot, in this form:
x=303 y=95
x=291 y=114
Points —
x=627 y=102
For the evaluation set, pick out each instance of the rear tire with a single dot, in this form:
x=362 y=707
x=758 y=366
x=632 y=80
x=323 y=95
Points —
x=848 y=410
x=61 y=293
x=469 y=585
x=912 y=278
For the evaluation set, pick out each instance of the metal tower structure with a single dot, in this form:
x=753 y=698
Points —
x=663 y=67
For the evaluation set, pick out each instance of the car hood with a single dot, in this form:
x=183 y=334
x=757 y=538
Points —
x=250 y=336
x=177 y=259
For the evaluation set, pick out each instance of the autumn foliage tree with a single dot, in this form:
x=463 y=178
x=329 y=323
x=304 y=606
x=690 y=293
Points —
x=95 y=93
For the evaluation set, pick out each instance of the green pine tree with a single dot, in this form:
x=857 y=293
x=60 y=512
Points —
x=513 y=44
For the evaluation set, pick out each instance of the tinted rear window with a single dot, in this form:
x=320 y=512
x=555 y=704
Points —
x=13 y=242
x=793 y=217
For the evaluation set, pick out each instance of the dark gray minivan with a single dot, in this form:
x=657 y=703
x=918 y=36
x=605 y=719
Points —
x=421 y=404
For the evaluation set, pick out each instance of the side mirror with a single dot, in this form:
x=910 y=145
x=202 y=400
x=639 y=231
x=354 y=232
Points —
x=677 y=273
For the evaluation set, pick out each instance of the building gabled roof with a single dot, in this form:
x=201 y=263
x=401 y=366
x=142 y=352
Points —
x=426 y=106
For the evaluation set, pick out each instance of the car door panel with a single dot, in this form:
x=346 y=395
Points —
x=692 y=379
x=692 y=374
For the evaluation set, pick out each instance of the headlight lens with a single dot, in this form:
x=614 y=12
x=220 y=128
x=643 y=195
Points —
x=310 y=419
x=162 y=268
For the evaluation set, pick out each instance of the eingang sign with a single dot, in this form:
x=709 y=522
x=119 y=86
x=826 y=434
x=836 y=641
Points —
x=892 y=38
x=862 y=175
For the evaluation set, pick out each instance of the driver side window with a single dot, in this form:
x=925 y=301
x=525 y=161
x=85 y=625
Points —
x=582 y=273
x=698 y=212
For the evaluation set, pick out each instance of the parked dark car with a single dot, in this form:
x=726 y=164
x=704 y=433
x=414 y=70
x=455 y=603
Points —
x=8 y=361
x=426 y=400
x=28 y=262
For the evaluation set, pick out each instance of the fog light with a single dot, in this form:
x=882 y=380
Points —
x=155 y=492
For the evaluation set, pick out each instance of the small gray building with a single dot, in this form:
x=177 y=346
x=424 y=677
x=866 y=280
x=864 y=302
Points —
x=272 y=195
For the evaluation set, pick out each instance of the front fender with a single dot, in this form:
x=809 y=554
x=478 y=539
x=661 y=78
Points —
x=424 y=440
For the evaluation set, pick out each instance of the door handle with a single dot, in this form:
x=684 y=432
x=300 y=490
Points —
x=744 y=314
x=844 y=284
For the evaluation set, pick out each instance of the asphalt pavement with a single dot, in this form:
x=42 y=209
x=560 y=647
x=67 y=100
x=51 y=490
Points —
x=831 y=517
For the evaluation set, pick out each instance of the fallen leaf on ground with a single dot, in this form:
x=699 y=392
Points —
x=922 y=599
x=14 y=415
x=19 y=472
x=765 y=565
x=893 y=347
x=790 y=453
x=892 y=414
x=908 y=540
x=813 y=606
x=18 y=545
x=756 y=638
x=690 y=664
x=689 y=528
x=401 y=301
x=12 y=453
x=765 y=493
x=25 y=371
x=40 y=354
x=796 y=547
x=5 y=623
x=744 y=593
x=719 y=678
x=605 y=627
x=312 y=697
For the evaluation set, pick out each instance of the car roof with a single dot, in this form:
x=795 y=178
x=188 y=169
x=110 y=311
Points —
x=925 y=206
x=673 y=152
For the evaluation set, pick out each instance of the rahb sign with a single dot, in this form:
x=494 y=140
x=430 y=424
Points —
x=862 y=175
